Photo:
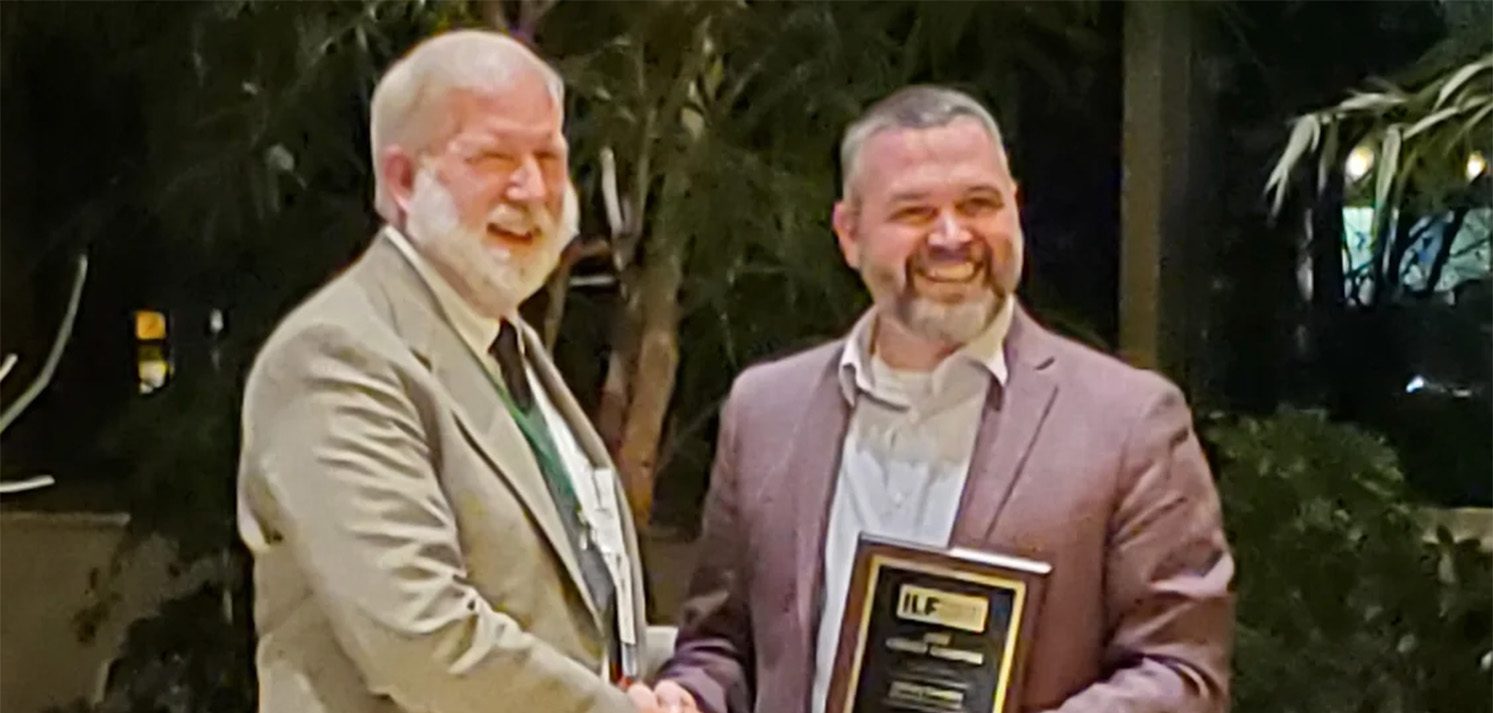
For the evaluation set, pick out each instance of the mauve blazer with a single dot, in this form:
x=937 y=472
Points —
x=1081 y=461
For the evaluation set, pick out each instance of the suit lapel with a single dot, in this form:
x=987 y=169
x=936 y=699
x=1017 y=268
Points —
x=590 y=442
x=815 y=463
x=472 y=397
x=1009 y=424
x=492 y=429
x=563 y=401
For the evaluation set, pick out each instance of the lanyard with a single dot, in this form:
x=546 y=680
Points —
x=551 y=466
x=543 y=445
x=545 y=450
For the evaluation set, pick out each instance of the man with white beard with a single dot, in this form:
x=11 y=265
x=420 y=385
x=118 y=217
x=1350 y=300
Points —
x=948 y=417
x=435 y=525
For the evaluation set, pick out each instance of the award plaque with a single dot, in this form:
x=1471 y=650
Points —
x=934 y=631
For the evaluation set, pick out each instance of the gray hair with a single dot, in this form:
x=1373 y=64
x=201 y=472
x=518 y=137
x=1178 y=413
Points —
x=400 y=112
x=921 y=106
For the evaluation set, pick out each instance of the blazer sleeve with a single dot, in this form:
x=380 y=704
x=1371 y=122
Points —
x=1168 y=577
x=713 y=656
x=338 y=458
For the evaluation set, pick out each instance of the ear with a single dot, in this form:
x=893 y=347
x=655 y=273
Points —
x=843 y=221
x=398 y=169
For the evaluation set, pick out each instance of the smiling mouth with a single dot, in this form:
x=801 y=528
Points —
x=950 y=273
x=508 y=237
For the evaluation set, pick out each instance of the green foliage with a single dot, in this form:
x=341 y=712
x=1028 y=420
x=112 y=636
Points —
x=254 y=168
x=196 y=655
x=1421 y=138
x=1421 y=135
x=253 y=172
x=257 y=179
x=1342 y=604
x=14 y=409
x=741 y=165
x=249 y=168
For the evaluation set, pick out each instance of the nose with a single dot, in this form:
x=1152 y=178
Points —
x=947 y=231
x=526 y=183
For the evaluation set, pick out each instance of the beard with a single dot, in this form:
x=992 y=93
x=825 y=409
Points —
x=495 y=278
x=955 y=323
x=937 y=317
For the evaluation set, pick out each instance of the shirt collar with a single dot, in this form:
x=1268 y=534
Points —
x=986 y=352
x=476 y=329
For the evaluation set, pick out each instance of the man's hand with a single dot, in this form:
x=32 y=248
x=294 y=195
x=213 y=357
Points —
x=672 y=698
x=642 y=698
x=666 y=697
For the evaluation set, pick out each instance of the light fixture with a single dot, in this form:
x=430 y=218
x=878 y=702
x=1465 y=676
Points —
x=1360 y=162
x=152 y=355
x=1417 y=383
x=1476 y=165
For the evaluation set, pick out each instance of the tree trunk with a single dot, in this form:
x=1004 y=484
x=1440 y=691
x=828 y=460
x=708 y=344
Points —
x=1327 y=249
x=652 y=382
x=1391 y=281
x=645 y=339
x=556 y=290
x=616 y=389
x=1329 y=297
x=1444 y=250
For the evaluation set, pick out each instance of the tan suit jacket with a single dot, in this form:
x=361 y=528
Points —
x=407 y=555
x=1080 y=461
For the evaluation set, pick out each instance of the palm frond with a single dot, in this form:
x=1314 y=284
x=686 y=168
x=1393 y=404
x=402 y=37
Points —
x=1422 y=121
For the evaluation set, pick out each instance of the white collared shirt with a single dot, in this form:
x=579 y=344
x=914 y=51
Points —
x=594 y=485
x=905 y=458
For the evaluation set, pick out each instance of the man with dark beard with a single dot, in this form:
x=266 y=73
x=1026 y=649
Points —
x=949 y=417
x=435 y=526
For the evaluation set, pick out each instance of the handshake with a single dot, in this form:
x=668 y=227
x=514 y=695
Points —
x=665 y=697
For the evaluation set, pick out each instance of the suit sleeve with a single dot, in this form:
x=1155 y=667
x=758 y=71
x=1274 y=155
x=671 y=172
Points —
x=338 y=459
x=1168 y=577
x=713 y=657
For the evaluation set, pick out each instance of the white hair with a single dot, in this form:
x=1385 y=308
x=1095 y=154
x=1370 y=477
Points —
x=922 y=106
x=401 y=111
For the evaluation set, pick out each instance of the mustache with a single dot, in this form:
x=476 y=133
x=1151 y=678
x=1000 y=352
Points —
x=515 y=219
x=929 y=255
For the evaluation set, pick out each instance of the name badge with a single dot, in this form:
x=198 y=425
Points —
x=626 y=620
x=611 y=542
x=604 y=481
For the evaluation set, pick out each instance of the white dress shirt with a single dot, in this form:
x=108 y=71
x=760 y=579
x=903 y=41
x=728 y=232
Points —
x=594 y=485
x=905 y=458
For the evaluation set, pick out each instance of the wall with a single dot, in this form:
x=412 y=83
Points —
x=46 y=563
